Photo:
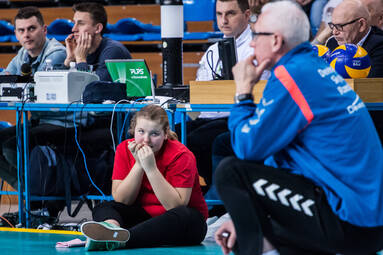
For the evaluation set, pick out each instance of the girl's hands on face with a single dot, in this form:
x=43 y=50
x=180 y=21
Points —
x=146 y=158
x=134 y=147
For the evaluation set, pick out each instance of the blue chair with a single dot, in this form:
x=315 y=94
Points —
x=108 y=29
x=133 y=26
x=6 y=31
x=202 y=35
x=60 y=29
x=5 y=124
x=126 y=26
x=151 y=36
x=124 y=37
x=130 y=29
x=199 y=10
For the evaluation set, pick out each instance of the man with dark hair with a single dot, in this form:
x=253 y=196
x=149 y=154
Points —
x=233 y=21
x=86 y=46
x=36 y=48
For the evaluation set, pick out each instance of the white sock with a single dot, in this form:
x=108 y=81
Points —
x=272 y=252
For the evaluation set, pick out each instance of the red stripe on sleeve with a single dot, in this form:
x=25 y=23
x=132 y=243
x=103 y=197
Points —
x=288 y=82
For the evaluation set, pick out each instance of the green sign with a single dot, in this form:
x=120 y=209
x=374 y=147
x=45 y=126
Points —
x=133 y=72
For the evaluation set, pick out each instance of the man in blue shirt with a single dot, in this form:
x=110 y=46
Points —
x=86 y=45
x=308 y=173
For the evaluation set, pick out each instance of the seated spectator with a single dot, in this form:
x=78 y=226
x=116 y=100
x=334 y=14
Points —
x=221 y=146
x=233 y=21
x=36 y=48
x=302 y=160
x=324 y=32
x=351 y=24
x=157 y=196
x=313 y=9
x=87 y=46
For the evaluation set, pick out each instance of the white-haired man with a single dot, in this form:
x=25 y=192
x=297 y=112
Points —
x=307 y=157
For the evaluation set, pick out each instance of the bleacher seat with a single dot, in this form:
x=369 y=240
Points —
x=130 y=29
x=124 y=37
x=6 y=31
x=202 y=35
x=5 y=124
x=60 y=29
x=199 y=10
x=151 y=36
x=133 y=26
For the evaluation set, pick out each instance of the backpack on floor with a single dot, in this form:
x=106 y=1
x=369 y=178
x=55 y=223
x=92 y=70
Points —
x=54 y=174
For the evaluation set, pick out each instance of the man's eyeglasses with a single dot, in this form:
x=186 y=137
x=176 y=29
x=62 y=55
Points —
x=339 y=27
x=256 y=34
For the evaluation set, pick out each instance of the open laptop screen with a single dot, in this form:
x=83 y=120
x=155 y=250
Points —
x=134 y=72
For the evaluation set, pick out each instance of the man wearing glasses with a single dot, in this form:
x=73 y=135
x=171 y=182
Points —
x=351 y=24
x=307 y=176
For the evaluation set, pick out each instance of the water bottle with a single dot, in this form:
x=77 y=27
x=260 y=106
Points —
x=72 y=67
x=48 y=65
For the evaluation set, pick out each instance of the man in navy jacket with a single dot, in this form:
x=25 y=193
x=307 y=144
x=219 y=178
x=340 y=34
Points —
x=351 y=24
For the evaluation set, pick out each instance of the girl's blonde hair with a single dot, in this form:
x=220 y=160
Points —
x=154 y=113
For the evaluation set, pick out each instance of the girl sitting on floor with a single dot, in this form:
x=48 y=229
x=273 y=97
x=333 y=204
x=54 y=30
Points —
x=157 y=196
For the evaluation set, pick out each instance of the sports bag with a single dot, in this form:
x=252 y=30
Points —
x=99 y=91
x=54 y=174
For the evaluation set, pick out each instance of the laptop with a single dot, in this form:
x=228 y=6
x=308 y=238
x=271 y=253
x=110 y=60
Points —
x=135 y=73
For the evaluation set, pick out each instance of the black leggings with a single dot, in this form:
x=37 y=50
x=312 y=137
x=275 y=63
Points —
x=179 y=226
x=261 y=202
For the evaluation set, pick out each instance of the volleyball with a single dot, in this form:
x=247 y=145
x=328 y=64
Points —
x=322 y=51
x=350 y=61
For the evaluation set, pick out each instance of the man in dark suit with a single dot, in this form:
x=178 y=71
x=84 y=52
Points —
x=351 y=24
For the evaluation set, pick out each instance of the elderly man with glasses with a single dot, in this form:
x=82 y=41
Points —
x=351 y=24
x=307 y=177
